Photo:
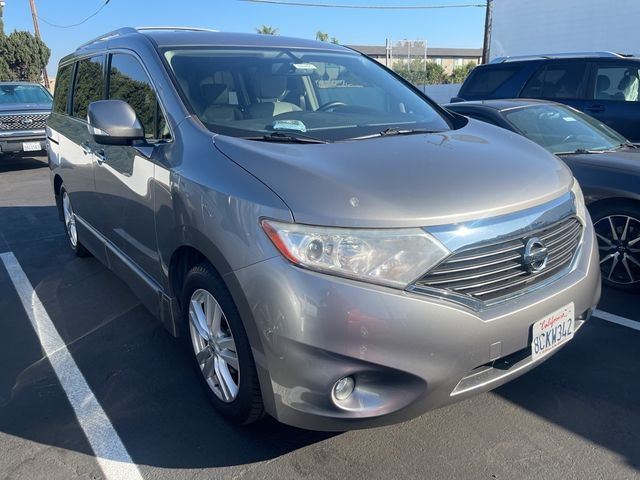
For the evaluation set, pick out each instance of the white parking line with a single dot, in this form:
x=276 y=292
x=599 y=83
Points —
x=610 y=317
x=111 y=455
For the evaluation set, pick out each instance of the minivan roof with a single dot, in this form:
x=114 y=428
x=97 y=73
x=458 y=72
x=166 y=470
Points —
x=190 y=36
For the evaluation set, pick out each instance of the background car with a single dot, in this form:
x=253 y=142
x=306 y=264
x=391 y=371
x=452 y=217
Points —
x=605 y=163
x=24 y=109
x=604 y=85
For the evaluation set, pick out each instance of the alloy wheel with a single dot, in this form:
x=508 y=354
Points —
x=69 y=220
x=619 y=245
x=214 y=346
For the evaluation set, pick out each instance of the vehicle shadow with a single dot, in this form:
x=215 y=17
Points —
x=589 y=388
x=12 y=163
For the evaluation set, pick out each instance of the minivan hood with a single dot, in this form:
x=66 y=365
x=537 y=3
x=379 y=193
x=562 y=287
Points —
x=405 y=181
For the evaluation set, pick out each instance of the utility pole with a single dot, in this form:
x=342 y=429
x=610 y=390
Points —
x=1 y=17
x=488 y=20
x=36 y=26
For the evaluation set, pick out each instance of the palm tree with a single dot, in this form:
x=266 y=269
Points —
x=267 y=30
x=322 y=36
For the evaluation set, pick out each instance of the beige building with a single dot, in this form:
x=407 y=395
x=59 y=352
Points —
x=449 y=58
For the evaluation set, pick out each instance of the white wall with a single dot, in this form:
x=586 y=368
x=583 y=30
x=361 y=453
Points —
x=524 y=27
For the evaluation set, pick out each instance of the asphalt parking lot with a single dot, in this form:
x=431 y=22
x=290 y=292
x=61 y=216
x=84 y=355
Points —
x=577 y=416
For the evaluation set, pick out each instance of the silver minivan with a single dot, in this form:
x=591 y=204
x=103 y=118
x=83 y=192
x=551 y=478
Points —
x=337 y=250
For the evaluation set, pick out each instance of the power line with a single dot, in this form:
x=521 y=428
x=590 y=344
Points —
x=79 y=23
x=371 y=7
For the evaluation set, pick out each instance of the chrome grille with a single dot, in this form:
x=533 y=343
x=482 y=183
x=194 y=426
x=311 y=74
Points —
x=23 y=121
x=490 y=272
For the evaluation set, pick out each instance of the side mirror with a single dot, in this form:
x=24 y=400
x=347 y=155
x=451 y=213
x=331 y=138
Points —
x=113 y=122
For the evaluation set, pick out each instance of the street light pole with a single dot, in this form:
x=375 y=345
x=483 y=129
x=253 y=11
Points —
x=36 y=26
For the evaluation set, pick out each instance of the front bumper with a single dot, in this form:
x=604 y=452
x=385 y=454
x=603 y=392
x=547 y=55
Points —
x=408 y=353
x=13 y=142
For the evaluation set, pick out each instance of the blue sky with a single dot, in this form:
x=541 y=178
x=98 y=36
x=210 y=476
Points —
x=454 y=27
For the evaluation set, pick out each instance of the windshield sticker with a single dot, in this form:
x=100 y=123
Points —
x=569 y=119
x=304 y=66
x=295 y=125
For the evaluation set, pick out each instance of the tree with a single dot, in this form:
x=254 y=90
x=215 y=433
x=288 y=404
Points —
x=459 y=74
x=420 y=73
x=23 y=55
x=322 y=36
x=334 y=40
x=267 y=30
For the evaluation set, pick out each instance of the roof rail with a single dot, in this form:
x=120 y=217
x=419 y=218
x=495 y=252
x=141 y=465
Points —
x=545 y=56
x=128 y=30
x=105 y=36
x=192 y=29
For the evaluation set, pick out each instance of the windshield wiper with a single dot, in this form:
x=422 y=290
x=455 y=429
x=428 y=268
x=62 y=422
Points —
x=584 y=151
x=628 y=145
x=391 y=131
x=288 y=137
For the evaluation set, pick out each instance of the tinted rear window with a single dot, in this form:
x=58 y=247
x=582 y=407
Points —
x=557 y=81
x=61 y=95
x=485 y=81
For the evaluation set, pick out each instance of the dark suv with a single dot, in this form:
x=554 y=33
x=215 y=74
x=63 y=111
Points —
x=602 y=84
x=24 y=109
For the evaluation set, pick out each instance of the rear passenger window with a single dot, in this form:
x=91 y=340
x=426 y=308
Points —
x=618 y=82
x=89 y=85
x=61 y=94
x=557 y=81
x=128 y=81
x=485 y=81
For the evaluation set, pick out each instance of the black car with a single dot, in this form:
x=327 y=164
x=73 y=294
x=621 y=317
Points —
x=24 y=109
x=605 y=163
x=604 y=85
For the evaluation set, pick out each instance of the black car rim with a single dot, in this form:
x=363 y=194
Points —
x=619 y=244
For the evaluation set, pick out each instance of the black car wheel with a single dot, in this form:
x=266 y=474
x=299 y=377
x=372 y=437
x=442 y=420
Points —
x=617 y=228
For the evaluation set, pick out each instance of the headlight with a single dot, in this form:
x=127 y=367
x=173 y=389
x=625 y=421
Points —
x=388 y=257
x=578 y=198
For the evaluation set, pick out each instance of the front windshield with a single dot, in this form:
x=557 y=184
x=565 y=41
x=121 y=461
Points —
x=12 y=93
x=329 y=96
x=561 y=129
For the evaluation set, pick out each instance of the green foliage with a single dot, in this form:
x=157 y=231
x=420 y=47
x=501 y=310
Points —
x=419 y=73
x=22 y=56
x=267 y=30
x=459 y=74
x=324 y=37
x=416 y=73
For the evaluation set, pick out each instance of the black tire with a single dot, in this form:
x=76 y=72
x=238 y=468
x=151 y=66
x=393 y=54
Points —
x=78 y=249
x=247 y=407
x=610 y=219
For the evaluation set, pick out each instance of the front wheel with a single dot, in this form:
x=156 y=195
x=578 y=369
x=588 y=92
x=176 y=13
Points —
x=617 y=228
x=221 y=349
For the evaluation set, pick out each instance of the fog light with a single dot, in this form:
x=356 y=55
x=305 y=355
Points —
x=343 y=388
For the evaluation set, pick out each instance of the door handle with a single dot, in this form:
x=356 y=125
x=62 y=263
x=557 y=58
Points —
x=100 y=156
x=595 y=108
x=86 y=149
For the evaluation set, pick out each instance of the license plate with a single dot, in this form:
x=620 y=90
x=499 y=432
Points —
x=552 y=331
x=31 y=146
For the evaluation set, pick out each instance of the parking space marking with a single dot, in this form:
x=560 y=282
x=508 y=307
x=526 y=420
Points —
x=610 y=317
x=111 y=454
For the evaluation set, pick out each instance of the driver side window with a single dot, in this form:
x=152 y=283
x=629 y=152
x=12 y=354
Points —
x=128 y=81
